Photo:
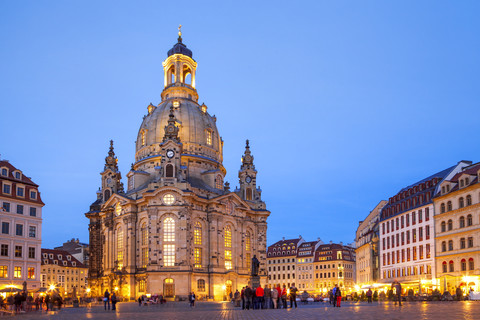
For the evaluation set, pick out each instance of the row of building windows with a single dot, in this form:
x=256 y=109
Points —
x=404 y=221
x=462 y=244
x=18 y=252
x=20 y=191
x=281 y=276
x=405 y=205
x=280 y=261
x=32 y=230
x=6 y=207
x=17 y=272
x=463 y=265
x=399 y=256
x=400 y=237
x=407 y=271
x=461 y=203
x=16 y=174
x=448 y=226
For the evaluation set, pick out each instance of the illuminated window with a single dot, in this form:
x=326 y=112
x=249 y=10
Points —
x=209 y=137
x=248 y=241
x=118 y=209
x=31 y=273
x=228 y=246
x=197 y=233
x=144 y=257
x=249 y=261
x=143 y=138
x=3 y=272
x=119 y=248
x=198 y=257
x=144 y=231
x=219 y=182
x=201 y=285
x=168 y=230
x=169 y=255
x=168 y=199
x=141 y=286
x=17 y=272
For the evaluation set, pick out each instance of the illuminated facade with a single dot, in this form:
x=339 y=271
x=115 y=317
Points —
x=367 y=250
x=21 y=234
x=457 y=225
x=177 y=228
x=407 y=233
x=281 y=261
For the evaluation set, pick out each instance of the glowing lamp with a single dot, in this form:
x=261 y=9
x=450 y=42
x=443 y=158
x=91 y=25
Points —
x=116 y=288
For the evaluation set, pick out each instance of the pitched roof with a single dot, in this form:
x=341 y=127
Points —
x=60 y=256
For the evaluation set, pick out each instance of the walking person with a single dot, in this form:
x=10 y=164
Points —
x=267 y=295
x=334 y=296
x=242 y=295
x=274 y=295
x=114 y=301
x=106 y=300
x=398 y=288
x=338 y=297
x=369 y=296
x=279 y=298
x=284 y=297
x=192 y=299
x=236 y=297
x=330 y=296
x=293 y=296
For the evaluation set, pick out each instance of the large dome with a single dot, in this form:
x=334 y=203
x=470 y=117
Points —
x=198 y=131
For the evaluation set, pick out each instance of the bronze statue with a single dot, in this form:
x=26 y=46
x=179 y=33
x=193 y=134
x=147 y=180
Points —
x=255 y=265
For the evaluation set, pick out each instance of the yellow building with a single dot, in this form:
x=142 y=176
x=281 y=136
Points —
x=64 y=271
x=457 y=236
x=177 y=228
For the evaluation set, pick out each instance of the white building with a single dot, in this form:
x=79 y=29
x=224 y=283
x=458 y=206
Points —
x=21 y=234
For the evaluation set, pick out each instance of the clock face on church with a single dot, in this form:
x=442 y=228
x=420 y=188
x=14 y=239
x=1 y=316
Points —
x=248 y=179
x=170 y=154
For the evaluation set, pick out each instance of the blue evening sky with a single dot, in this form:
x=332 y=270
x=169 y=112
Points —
x=345 y=102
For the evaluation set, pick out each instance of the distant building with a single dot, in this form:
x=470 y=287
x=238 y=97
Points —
x=457 y=225
x=407 y=233
x=281 y=262
x=366 y=240
x=77 y=249
x=312 y=266
x=21 y=222
x=64 y=271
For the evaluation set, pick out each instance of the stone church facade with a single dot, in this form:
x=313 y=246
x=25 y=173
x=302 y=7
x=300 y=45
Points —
x=177 y=227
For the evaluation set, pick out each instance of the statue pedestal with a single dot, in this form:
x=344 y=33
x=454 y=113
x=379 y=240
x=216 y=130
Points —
x=255 y=281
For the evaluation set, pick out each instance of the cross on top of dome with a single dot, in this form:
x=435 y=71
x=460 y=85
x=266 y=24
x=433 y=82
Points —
x=179 y=47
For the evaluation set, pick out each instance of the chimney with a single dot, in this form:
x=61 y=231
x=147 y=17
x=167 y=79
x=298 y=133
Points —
x=283 y=238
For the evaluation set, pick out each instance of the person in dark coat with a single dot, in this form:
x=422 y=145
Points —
x=106 y=300
x=369 y=295
x=114 y=301
x=248 y=297
x=293 y=296
x=338 y=297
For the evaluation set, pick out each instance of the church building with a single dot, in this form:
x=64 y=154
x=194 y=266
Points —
x=177 y=227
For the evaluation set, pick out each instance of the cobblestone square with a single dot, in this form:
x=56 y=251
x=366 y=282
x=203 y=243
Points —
x=214 y=310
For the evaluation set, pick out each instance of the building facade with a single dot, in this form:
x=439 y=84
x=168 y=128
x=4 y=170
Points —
x=367 y=250
x=407 y=233
x=177 y=227
x=281 y=262
x=64 y=271
x=77 y=249
x=457 y=237
x=21 y=236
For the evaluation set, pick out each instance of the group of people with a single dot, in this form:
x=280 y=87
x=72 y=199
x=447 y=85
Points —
x=266 y=297
x=335 y=296
x=107 y=298
x=21 y=302
x=154 y=299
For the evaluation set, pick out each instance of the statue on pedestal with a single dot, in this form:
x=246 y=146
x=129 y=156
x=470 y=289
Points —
x=255 y=266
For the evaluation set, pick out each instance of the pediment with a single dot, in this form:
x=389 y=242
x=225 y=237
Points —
x=114 y=198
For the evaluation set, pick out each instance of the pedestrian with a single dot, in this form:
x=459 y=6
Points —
x=37 y=303
x=192 y=299
x=293 y=296
x=248 y=297
x=369 y=296
x=267 y=297
x=18 y=302
x=231 y=296
x=279 y=290
x=330 y=296
x=242 y=296
x=140 y=301
x=236 y=297
x=274 y=294
x=398 y=288
x=338 y=297
x=114 y=301
x=106 y=300
x=334 y=294
x=284 y=297
x=259 y=293
x=254 y=298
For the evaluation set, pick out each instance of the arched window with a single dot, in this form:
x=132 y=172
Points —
x=228 y=247
x=462 y=222
x=144 y=139
x=471 y=264
x=118 y=209
x=469 y=200
x=450 y=265
x=169 y=170
x=450 y=245
x=449 y=206
x=444 y=246
x=119 y=248
x=442 y=208
x=248 y=248
x=197 y=233
x=469 y=220
x=208 y=137
x=107 y=195
x=444 y=266
x=201 y=285
x=461 y=202
x=168 y=242
x=144 y=244
x=219 y=182
x=248 y=195
x=464 y=265
x=462 y=243
x=450 y=225
x=443 y=226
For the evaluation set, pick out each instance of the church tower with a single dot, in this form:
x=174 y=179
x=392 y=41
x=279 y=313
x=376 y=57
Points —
x=111 y=176
x=247 y=177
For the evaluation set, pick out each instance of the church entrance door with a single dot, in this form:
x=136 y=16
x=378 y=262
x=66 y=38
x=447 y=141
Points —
x=169 y=288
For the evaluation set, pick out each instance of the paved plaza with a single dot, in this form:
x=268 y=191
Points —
x=212 y=310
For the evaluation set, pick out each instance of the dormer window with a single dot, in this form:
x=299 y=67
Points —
x=55 y=262
x=45 y=255
x=45 y=261
x=74 y=264
x=69 y=258
x=50 y=255
x=461 y=183
x=4 y=172
x=59 y=256
x=18 y=175
x=448 y=188
x=467 y=181
x=33 y=195
x=64 y=263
